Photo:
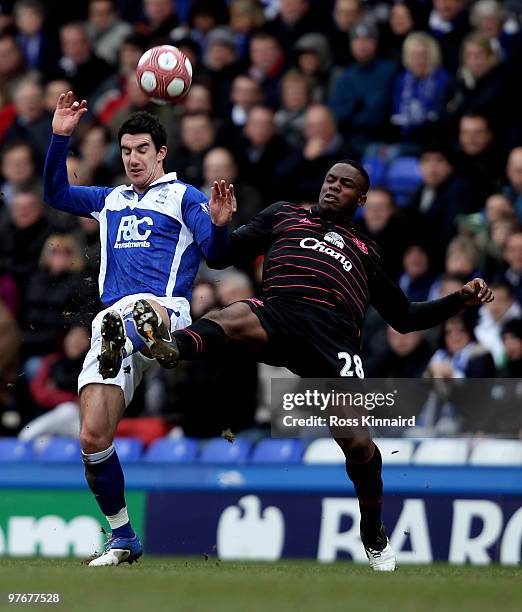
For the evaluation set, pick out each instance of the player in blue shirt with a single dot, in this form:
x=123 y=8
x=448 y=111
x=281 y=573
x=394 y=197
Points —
x=152 y=233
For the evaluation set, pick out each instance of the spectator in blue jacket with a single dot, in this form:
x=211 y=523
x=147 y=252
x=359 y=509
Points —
x=419 y=89
x=361 y=98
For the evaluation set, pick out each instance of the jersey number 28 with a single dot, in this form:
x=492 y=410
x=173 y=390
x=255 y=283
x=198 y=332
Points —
x=352 y=364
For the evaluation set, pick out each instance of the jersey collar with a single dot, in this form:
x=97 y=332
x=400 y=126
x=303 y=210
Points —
x=166 y=178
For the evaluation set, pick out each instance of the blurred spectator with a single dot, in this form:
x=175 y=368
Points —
x=106 y=30
x=88 y=237
x=203 y=299
x=480 y=86
x=462 y=258
x=38 y=45
x=460 y=355
x=24 y=237
x=497 y=207
x=160 y=18
x=406 y=356
x=384 y=223
x=417 y=279
x=96 y=153
x=361 y=97
x=499 y=231
x=478 y=160
x=17 y=167
x=198 y=136
x=267 y=64
x=9 y=346
x=405 y=16
x=264 y=153
x=198 y=100
x=32 y=121
x=113 y=94
x=220 y=392
x=314 y=60
x=323 y=146
x=441 y=196
x=295 y=18
x=514 y=175
x=419 y=89
x=221 y=62
x=7 y=114
x=449 y=23
x=12 y=60
x=52 y=92
x=492 y=318
x=346 y=15
x=513 y=271
x=246 y=16
x=204 y=16
x=492 y=20
x=512 y=342
x=295 y=98
x=244 y=95
x=55 y=297
x=79 y=64
x=54 y=388
x=219 y=164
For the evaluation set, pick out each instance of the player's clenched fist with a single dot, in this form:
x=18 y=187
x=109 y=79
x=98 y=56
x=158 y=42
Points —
x=476 y=292
x=68 y=114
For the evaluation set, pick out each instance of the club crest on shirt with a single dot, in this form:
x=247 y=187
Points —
x=335 y=239
x=361 y=245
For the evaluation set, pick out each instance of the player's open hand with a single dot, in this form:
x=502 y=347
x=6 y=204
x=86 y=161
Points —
x=68 y=114
x=476 y=292
x=222 y=204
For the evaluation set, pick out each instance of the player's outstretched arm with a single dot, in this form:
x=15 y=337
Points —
x=58 y=193
x=406 y=316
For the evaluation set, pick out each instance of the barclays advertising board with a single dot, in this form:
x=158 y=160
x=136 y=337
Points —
x=269 y=526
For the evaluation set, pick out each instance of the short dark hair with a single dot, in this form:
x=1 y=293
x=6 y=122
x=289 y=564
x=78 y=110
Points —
x=360 y=168
x=143 y=122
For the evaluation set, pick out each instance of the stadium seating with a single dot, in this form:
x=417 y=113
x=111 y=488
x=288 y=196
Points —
x=376 y=167
x=496 y=452
x=323 y=451
x=277 y=451
x=128 y=449
x=219 y=450
x=395 y=450
x=12 y=449
x=402 y=178
x=58 y=449
x=172 y=450
x=453 y=451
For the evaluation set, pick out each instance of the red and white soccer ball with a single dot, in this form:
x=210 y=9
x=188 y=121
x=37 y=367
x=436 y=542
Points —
x=164 y=74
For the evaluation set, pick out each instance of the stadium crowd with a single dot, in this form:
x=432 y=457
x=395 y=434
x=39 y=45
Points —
x=426 y=94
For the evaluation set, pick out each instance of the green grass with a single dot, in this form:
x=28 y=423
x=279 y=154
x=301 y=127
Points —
x=177 y=584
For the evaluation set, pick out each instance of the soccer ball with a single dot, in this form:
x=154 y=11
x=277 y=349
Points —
x=164 y=74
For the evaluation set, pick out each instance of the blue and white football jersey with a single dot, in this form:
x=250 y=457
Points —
x=150 y=242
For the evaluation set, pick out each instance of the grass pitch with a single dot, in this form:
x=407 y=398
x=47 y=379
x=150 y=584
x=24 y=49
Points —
x=158 y=584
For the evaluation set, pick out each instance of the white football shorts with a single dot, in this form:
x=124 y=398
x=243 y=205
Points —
x=133 y=367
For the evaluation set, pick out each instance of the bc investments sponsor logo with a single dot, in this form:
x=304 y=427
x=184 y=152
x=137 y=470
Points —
x=132 y=232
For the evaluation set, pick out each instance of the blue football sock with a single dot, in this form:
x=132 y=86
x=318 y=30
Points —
x=134 y=342
x=105 y=479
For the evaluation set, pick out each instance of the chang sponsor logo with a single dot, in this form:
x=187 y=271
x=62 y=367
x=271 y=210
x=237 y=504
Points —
x=321 y=246
x=132 y=232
